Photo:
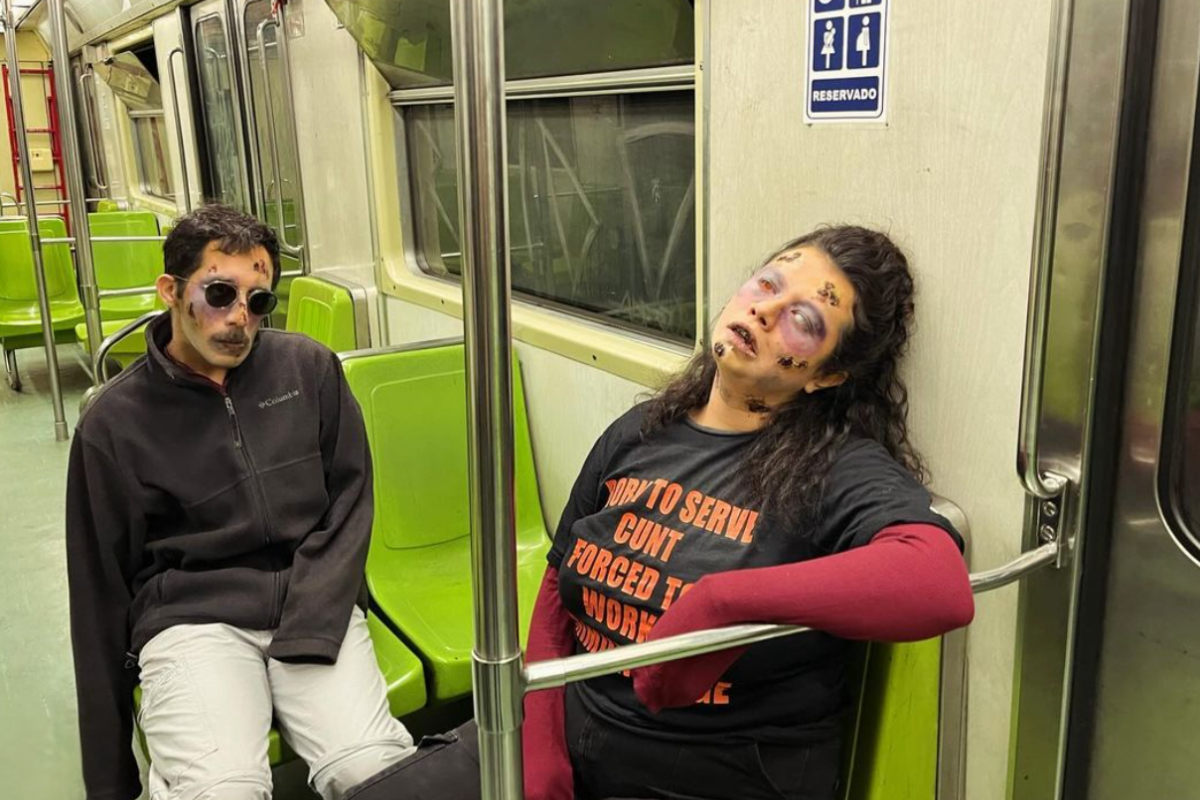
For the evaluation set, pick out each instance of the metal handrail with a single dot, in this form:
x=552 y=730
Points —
x=93 y=145
x=1044 y=485
x=187 y=191
x=71 y=239
x=561 y=671
x=111 y=341
x=285 y=69
x=273 y=134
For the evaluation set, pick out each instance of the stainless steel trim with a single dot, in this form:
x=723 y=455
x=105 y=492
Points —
x=953 y=689
x=1019 y=567
x=121 y=333
x=145 y=113
x=478 y=47
x=407 y=347
x=64 y=100
x=272 y=135
x=130 y=40
x=285 y=66
x=652 y=79
x=186 y=189
x=39 y=266
x=560 y=671
x=72 y=239
x=133 y=291
x=359 y=301
x=704 y=173
x=1040 y=484
x=96 y=150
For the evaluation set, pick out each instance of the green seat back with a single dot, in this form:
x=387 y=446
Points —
x=892 y=748
x=323 y=311
x=105 y=206
x=419 y=563
x=17 y=280
x=126 y=265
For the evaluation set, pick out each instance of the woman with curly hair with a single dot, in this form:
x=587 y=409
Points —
x=771 y=481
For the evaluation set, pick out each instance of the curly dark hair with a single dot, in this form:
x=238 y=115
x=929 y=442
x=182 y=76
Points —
x=234 y=232
x=788 y=463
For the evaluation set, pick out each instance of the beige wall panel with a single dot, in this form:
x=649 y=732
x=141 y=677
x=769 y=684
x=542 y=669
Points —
x=33 y=87
x=569 y=404
x=329 y=129
x=952 y=177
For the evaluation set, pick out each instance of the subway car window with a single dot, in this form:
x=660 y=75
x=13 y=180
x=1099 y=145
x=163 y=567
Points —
x=150 y=151
x=410 y=42
x=133 y=78
x=224 y=179
x=601 y=203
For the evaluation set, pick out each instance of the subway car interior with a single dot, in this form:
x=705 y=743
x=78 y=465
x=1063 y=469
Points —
x=514 y=220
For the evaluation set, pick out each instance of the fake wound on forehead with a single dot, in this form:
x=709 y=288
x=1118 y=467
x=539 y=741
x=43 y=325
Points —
x=829 y=294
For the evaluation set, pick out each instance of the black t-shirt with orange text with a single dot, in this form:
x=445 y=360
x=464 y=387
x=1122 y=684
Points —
x=646 y=519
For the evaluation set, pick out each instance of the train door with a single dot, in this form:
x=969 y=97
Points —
x=87 y=111
x=226 y=173
x=171 y=48
x=245 y=106
x=1108 y=702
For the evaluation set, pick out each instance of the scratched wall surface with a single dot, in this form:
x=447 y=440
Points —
x=952 y=176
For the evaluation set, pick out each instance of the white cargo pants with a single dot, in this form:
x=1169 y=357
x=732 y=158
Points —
x=209 y=694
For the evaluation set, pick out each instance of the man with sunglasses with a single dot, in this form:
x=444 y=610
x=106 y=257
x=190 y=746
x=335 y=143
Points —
x=219 y=507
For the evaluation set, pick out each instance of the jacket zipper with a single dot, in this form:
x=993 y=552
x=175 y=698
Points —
x=261 y=498
x=259 y=494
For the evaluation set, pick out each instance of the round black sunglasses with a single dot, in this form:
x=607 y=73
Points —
x=222 y=294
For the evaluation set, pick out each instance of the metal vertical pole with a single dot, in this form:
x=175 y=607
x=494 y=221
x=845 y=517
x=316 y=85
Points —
x=479 y=108
x=81 y=229
x=35 y=239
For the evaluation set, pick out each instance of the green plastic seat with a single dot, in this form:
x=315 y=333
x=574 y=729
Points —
x=323 y=311
x=126 y=351
x=401 y=673
x=105 y=206
x=20 y=319
x=126 y=265
x=891 y=750
x=419 y=565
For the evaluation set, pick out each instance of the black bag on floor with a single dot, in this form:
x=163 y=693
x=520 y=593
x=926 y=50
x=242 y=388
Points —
x=445 y=767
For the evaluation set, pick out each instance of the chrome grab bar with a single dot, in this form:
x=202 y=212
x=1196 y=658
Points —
x=560 y=671
x=1044 y=485
x=111 y=341
x=133 y=291
x=16 y=203
x=89 y=123
x=285 y=69
x=269 y=102
x=183 y=166
x=71 y=239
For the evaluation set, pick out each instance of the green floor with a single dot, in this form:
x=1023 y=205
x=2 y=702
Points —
x=39 y=747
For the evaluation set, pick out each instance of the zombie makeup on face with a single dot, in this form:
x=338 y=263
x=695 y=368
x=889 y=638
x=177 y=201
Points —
x=756 y=405
x=765 y=283
x=719 y=349
x=828 y=293
x=787 y=362
x=260 y=268
x=795 y=255
x=803 y=330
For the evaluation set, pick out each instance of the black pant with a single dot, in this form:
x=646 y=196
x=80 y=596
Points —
x=611 y=762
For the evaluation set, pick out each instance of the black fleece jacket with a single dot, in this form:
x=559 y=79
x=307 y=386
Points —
x=248 y=504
